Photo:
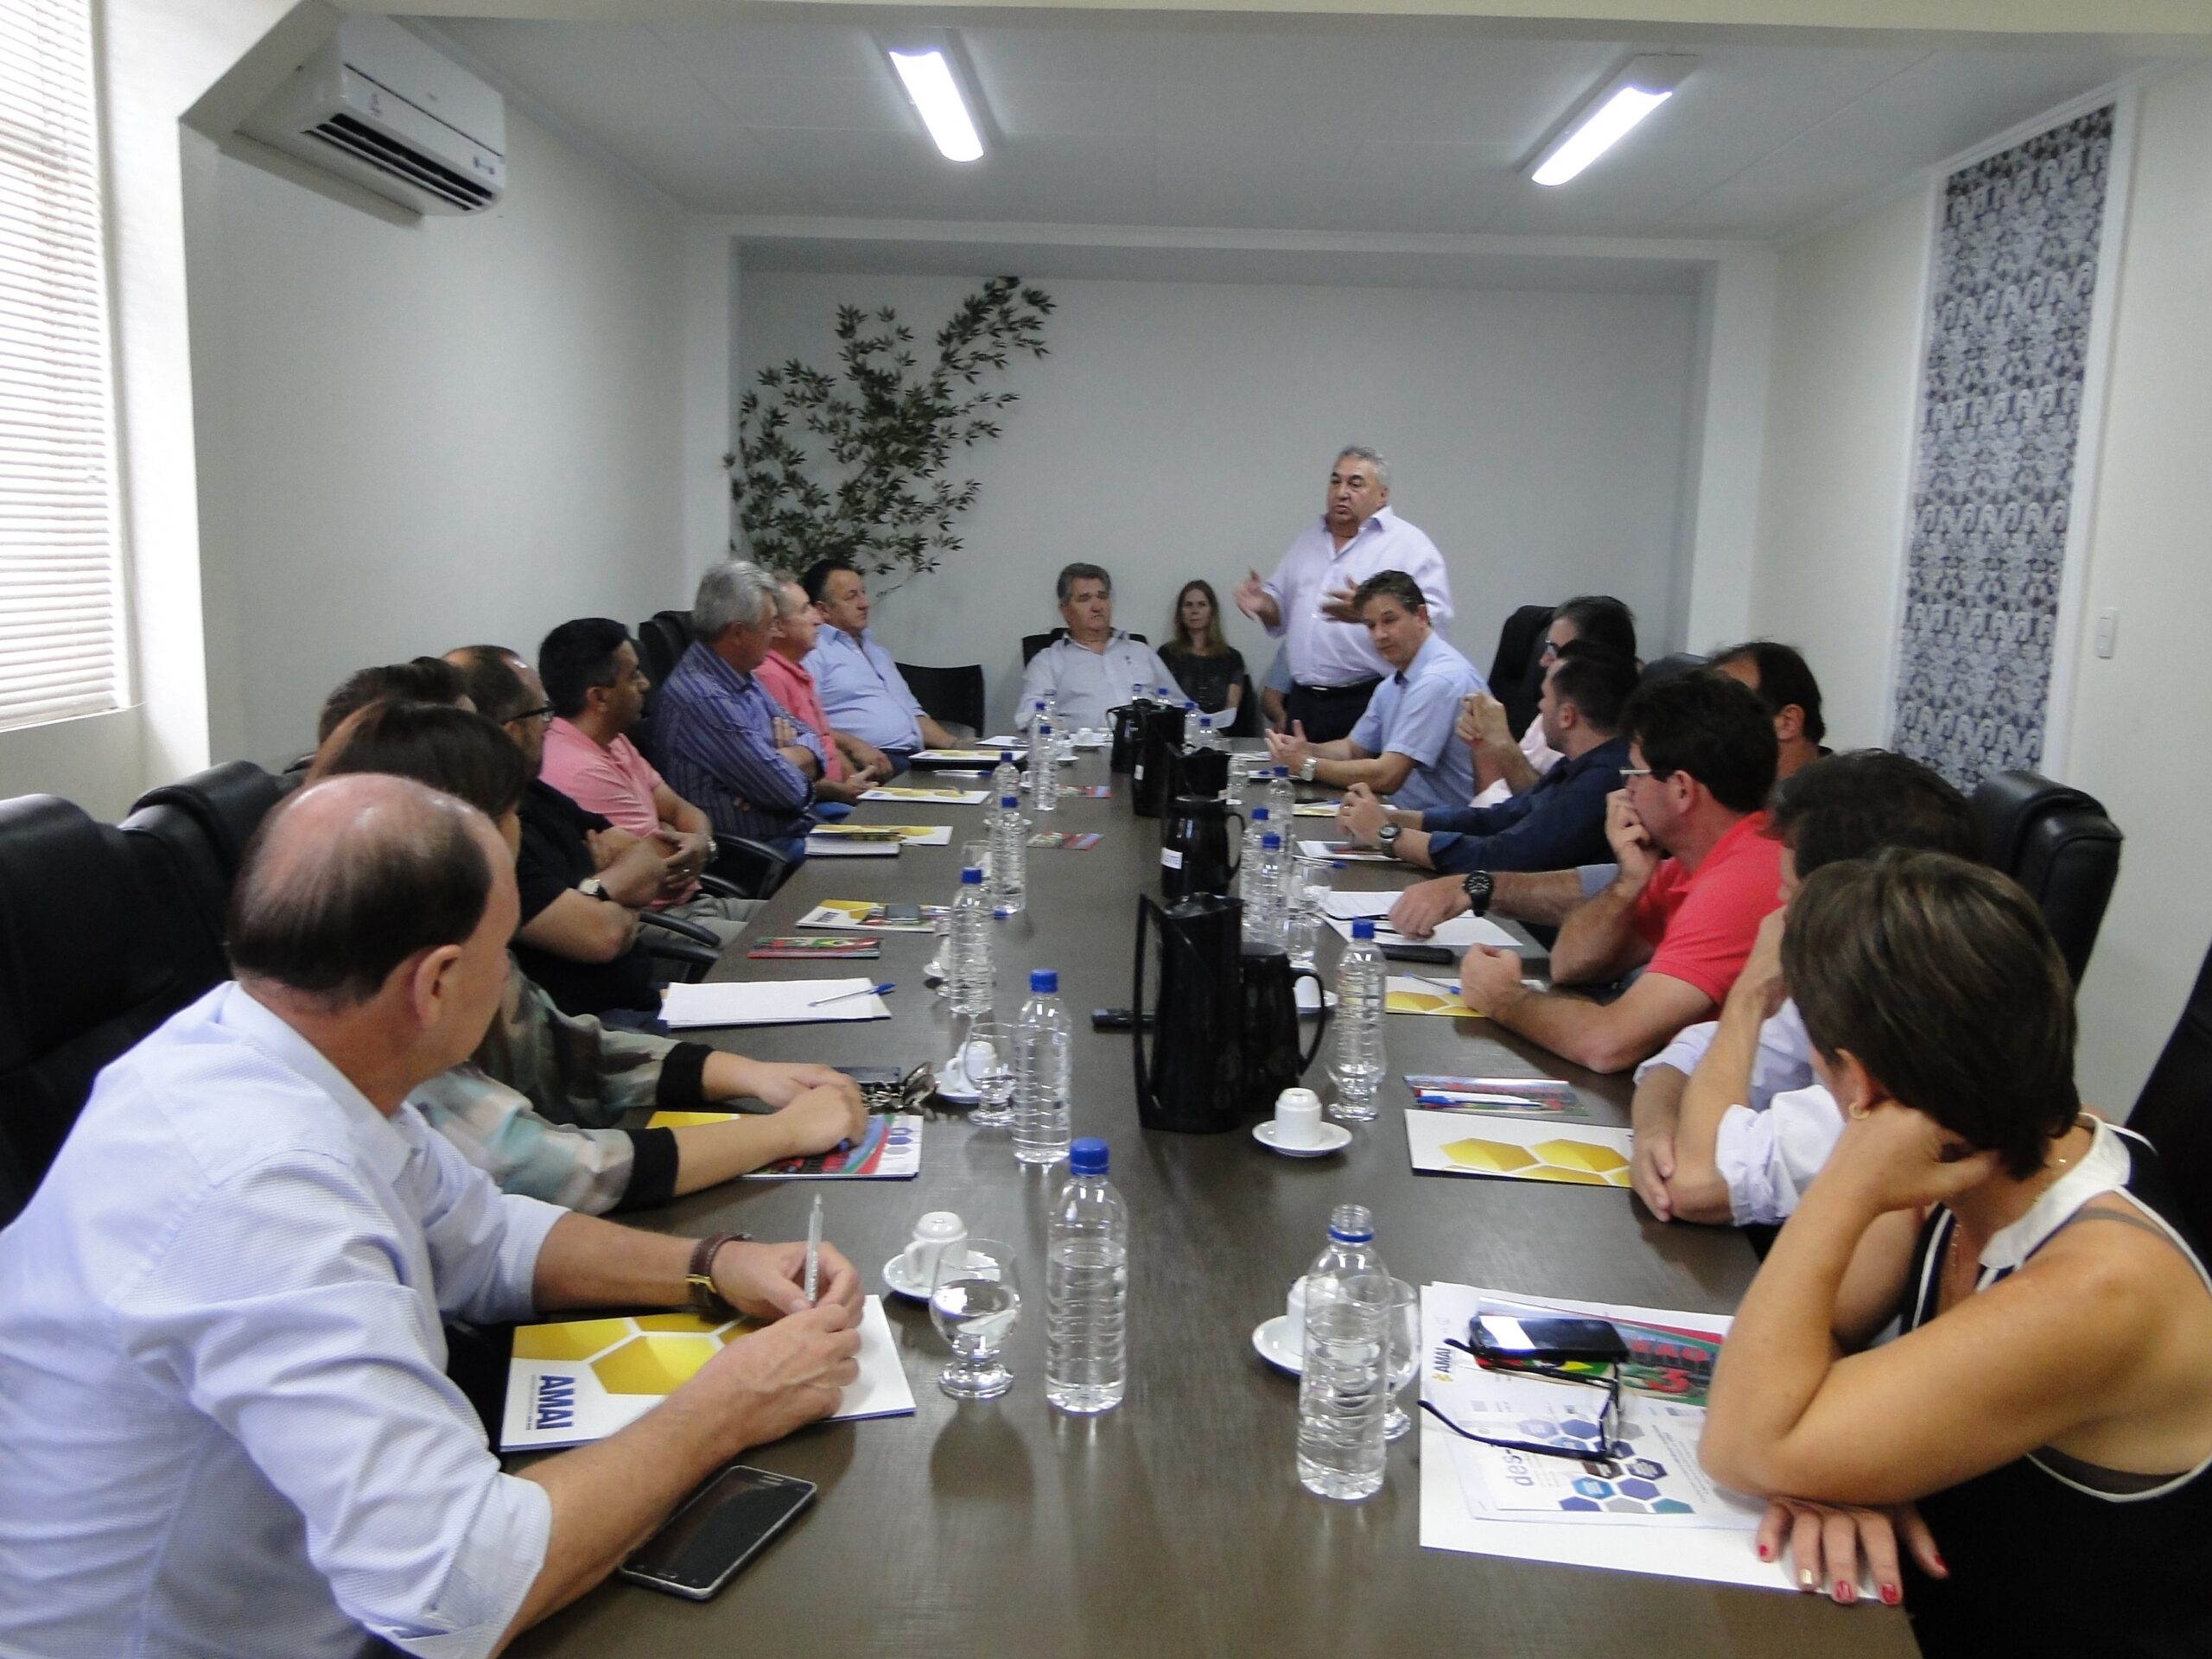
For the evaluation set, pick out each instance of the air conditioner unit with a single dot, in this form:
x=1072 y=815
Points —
x=379 y=107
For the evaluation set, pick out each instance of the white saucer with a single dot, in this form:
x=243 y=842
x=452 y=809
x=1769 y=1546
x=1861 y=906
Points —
x=968 y=1097
x=1334 y=1138
x=896 y=1282
x=1310 y=996
x=1267 y=1343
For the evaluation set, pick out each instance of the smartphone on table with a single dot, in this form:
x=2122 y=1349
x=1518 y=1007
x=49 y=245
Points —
x=1509 y=1338
x=719 y=1529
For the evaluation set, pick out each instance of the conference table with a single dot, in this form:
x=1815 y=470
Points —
x=1175 y=1523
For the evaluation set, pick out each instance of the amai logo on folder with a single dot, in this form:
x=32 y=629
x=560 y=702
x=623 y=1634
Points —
x=554 y=1405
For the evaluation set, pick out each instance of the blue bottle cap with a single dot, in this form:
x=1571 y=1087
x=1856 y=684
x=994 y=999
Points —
x=1008 y=802
x=1006 y=757
x=1259 y=814
x=971 y=877
x=1044 y=729
x=1363 y=929
x=1087 y=1156
x=1045 y=982
x=1270 y=841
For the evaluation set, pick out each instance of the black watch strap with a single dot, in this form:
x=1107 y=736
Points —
x=699 y=1277
x=1478 y=888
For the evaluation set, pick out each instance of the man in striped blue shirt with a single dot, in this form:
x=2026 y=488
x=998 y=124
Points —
x=723 y=740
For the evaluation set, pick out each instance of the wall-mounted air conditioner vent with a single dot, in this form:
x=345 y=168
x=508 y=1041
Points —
x=379 y=107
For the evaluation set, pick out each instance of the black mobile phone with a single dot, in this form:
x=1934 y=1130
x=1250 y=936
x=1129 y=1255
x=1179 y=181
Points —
x=1418 y=953
x=903 y=915
x=721 y=1527
x=1117 y=1019
x=1545 y=1339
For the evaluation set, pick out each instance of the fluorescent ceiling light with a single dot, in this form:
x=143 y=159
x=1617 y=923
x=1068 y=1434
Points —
x=937 y=95
x=1632 y=95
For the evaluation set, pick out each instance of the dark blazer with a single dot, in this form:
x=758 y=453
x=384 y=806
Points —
x=1556 y=824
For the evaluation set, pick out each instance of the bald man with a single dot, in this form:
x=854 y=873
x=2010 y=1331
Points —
x=225 y=1424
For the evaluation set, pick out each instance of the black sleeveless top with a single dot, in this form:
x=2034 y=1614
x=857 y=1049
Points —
x=2047 y=1554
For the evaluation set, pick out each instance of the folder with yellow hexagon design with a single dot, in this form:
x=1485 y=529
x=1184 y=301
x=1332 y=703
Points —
x=1579 y=1154
x=580 y=1380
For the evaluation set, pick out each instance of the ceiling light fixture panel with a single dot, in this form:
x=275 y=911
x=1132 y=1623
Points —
x=929 y=81
x=1608 y=117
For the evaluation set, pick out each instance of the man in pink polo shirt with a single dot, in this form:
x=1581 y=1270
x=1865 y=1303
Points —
x=597 y=691
x=1697 y=875
x=852 y=765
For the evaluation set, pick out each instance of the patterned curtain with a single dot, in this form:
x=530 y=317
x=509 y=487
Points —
x=2016 y=270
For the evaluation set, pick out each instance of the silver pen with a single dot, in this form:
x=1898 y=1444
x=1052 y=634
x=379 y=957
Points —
x=813 y=1248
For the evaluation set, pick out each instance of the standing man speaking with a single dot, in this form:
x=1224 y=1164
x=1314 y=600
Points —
x=1333 y=667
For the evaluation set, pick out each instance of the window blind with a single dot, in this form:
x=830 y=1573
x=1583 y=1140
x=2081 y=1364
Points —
x=61 y=635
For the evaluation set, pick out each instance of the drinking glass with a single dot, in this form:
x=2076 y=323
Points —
x=933 y=970
x=1405 y=1354
x=974 y=1299
x=1241 y=762
x=986 y=1054
x=977 y=855
x=1306 y=907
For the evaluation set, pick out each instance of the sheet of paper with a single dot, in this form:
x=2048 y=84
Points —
x=1343 y=852
x=1418 y=994
x=770 y=1002
x=912 y=792
x=844 y=846
x=1455 y=935
x=1572 y=1154
x=978 y=756
x=580 y=1380
x=1635 y=1523
x=1315 y=810
x=911 y=834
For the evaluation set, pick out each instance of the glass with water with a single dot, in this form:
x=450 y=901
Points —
x=1305 y=908
x=974 y=1301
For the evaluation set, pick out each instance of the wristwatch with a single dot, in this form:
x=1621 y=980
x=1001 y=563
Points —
x=1477 y=887
x=1305 y=768
x=699 y=1277
x=592 y=887
x=1387 y=837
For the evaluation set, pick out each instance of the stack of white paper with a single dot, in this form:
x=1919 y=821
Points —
x=771 y=1002
x=1456 y=935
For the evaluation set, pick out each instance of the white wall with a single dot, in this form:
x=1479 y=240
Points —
x=414 y=436
x=2139 y=716
x=1185 y=429
x=1838 y=430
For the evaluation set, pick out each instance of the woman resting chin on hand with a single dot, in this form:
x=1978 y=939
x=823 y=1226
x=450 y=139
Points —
x=2026 y=1466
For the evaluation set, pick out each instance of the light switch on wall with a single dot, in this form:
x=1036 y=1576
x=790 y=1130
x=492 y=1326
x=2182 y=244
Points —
x=2107 y=631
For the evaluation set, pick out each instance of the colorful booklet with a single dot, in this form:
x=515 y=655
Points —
x=1090 y=791
x=908 y=792
x=801 y=947
x=1573 y=1155
x=889 y=1149
x=576 y=1381
x=1500 y=1096
x=870 y=916
x=1315 y=809
x=909 y=835
x=1411 y=993
x=925 y=759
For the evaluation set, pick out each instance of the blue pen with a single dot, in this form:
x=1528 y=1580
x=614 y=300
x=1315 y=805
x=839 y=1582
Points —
x=873 y=990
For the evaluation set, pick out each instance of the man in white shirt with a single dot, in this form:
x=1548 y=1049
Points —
x=1333 y=667
x=1091 y=669
x=1730 y=1123
x=225 y=1423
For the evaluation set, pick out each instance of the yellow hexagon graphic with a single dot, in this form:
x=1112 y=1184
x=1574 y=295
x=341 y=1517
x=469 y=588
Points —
x=654 y=1364
x=575 y=1339
x=1579 y=1154
x=1494 y=1157
x=1578 y=1177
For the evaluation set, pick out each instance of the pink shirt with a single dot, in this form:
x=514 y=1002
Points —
x=616 y=782
x=792 y=686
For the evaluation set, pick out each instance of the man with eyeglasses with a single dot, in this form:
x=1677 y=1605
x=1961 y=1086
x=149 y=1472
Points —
x=582 y=881
x=1504 y=768
x=1696 y=875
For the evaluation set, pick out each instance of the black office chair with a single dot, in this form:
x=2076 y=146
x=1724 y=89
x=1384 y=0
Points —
x=1667 y=667
x=2175 y=1109
x=662 y=637
x=2058 y=844
x=88 y=966
x=1033 y=643
x=1247 y=723
x=229 y=803
x=1515 y=678
x=951 y=696
x=172 y=852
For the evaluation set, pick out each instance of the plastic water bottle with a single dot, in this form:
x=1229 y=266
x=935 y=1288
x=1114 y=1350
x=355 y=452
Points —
x=1282 y=796
x=1260 y=884
x=1044 y=768
x=1344 y=1388
x=1006 y=779
x=1041 y=1043
x=1009 y=882
x=1207 y=738
x=1087 y=1287
x=1357 y=1065
x=969 y=980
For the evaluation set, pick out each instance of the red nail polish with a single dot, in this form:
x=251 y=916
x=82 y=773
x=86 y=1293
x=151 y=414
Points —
x=1843 y=1589
x=1940 y=1567
x=1765 y=1554
x=1891 y=1595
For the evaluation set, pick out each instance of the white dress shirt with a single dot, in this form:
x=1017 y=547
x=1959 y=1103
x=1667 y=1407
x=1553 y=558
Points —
x=1084 y=683
x=225 y=1424
x=1770 y=1147
x=1326 y=652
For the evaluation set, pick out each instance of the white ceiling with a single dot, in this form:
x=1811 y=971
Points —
x=1271 y=123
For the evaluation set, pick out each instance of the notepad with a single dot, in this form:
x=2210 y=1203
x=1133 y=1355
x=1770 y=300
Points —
x=770 y=1002
x=911 y=834
x=1343 y=852
x=1455 y=935
x=576 y=1381
x=1570 y=1154
x=817 y=847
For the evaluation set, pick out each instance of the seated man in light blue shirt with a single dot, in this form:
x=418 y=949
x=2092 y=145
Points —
x=863 y=693
x=224 y=1422
x=1404 y=747
x=1092 y=668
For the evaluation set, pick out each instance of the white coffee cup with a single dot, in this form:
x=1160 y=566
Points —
x=1298 y=1118
x=934 y=1234
x=1294 y=1316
